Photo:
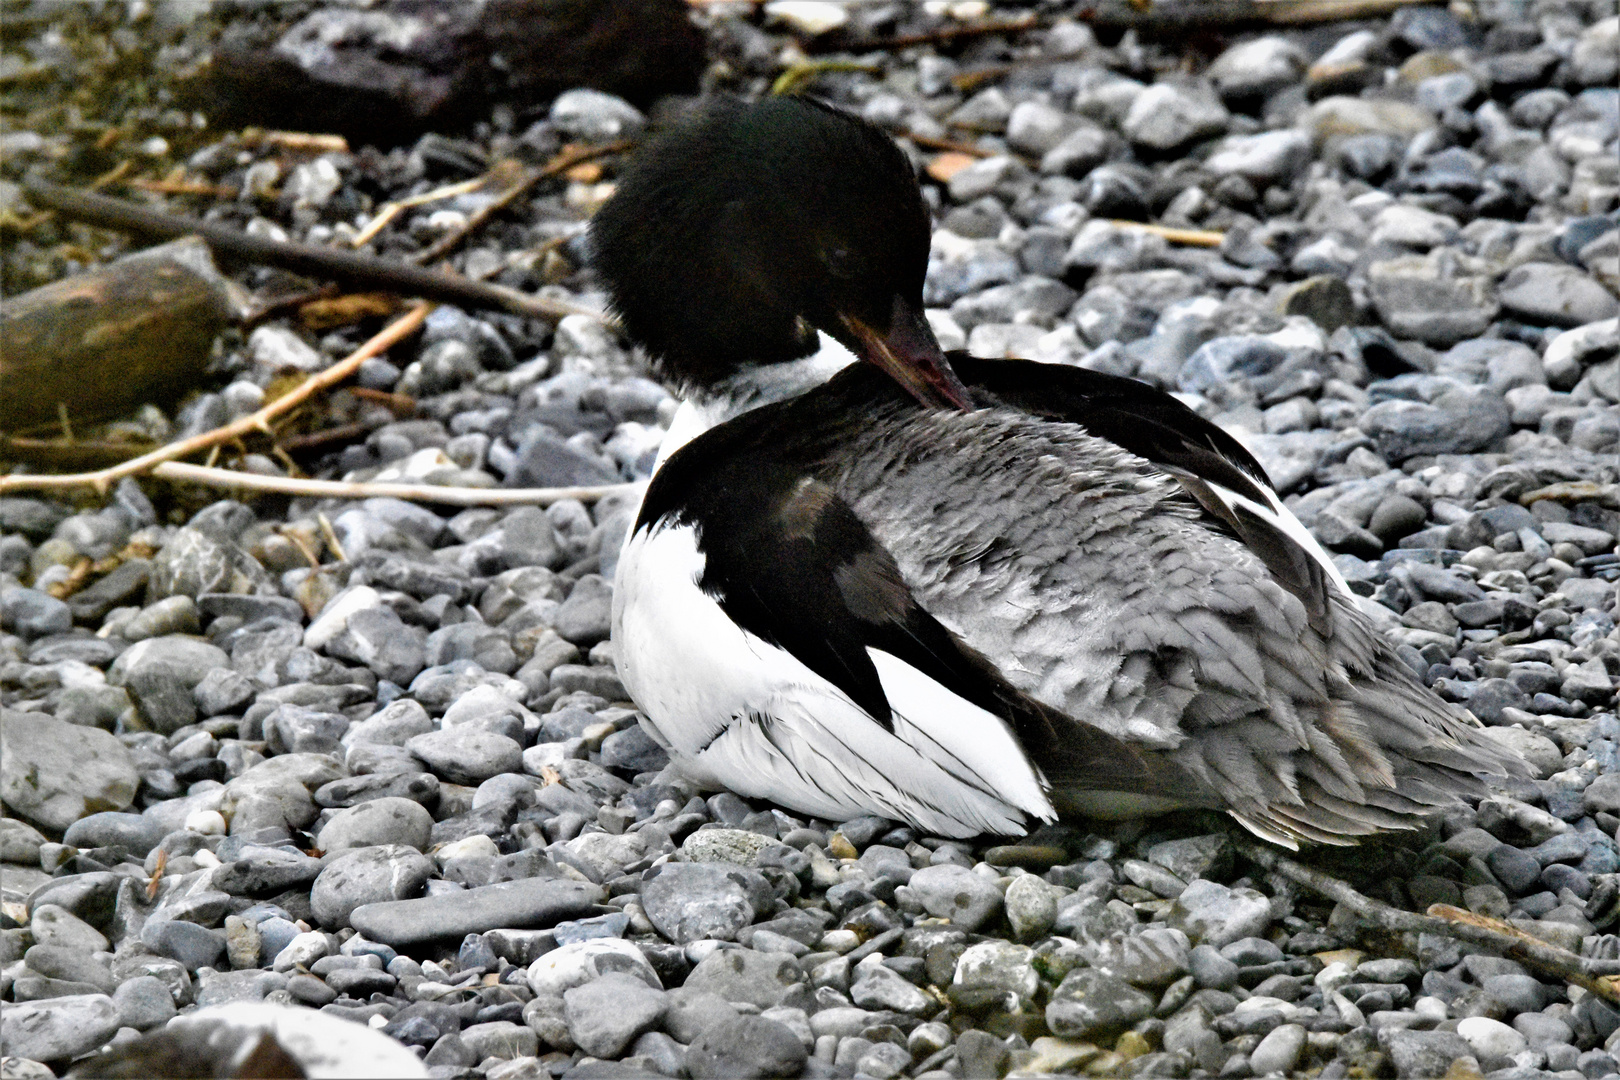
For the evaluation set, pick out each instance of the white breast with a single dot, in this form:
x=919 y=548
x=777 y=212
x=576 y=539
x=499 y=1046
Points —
x=738 y=712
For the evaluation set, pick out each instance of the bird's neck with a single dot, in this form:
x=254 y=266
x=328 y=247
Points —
x=705 y=407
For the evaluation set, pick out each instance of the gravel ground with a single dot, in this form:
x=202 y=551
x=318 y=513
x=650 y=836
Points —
x=373 y=759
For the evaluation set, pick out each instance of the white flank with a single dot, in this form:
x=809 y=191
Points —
x=954 y=731
x=737 y=712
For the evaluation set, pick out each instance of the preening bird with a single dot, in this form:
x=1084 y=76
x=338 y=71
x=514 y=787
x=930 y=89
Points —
x=973 y=595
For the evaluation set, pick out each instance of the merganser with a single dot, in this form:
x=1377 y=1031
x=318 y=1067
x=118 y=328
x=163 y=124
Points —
x=966 y=594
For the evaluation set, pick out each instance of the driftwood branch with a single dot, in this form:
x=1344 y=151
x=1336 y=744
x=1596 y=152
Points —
x=562 y=162
x=92 y=345
x=1177 y=15
x=103 y=479
x=350 y=268
x=1447 y=921
x=342 y=489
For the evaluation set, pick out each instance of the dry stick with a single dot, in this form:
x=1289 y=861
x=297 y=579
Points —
x=103 y=479
x=1194 y=237
x=563 y=161
x=342 y=489
x=349 y=267
x=1445 y=921
x=1162 y=15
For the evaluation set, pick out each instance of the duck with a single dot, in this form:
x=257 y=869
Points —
x=868 y=577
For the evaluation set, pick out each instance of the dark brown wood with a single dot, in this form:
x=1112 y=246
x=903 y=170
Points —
x=99 y=343
x=348 y=267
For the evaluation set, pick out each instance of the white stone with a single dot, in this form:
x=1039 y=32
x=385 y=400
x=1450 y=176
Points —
x=1279 y=1051
x=580 y=962
x=813 y=17
x=334 y=618
x=276 y=348
x=1267 y=157
x=1490 y=1039
x=1165 y=116
x=207 y=822
x=303 y=950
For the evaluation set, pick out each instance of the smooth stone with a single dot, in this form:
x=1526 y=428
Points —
x=1214 y=914
x=387 y=820
x=607 y=1014
x=1491 y=1040
x=956 y=893
x=1279 y=1051
x=317 y=1043
x=531 y=903
x=161 y=673
x=369 y=875
x=70 y=965
x=57 y=1028
x=746 y=1046
x=1088 y=1003
x=467 y=755
x=693 y=901
x=54 y=773
x=192 y=945
x=746 y=977
x=568 y=966
x=144 y=1002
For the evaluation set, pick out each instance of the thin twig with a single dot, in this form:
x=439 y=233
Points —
x=940 y=36
x=797 y=75
x=1443 y=920
x=349 y=267
x=300 y=141
x=1192 y=237
x=343 y=489
x=564 y=160
x=929 y=142
x=103 y=479
x=1162 y=15
x=389 y=211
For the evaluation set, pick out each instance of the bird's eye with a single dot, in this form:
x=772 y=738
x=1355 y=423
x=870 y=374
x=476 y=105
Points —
x=839 y=259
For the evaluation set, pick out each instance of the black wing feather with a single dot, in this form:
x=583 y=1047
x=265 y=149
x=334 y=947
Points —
x=790 y=562
x=1153 y=425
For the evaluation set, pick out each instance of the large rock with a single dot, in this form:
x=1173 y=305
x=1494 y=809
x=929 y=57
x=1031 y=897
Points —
x=1553 y=294
x=56 y=1028
x=53 y=773
x=210 y=1041
x=1165 y=116
x=390 y=71
x=1423 y=297
x=369 y=875
x=1461 y=421
x=690 y=901
x=532 y=903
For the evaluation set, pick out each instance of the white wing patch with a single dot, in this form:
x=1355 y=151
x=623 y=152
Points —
x=737 y=712
x=1274 y=511
x=954 y=731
